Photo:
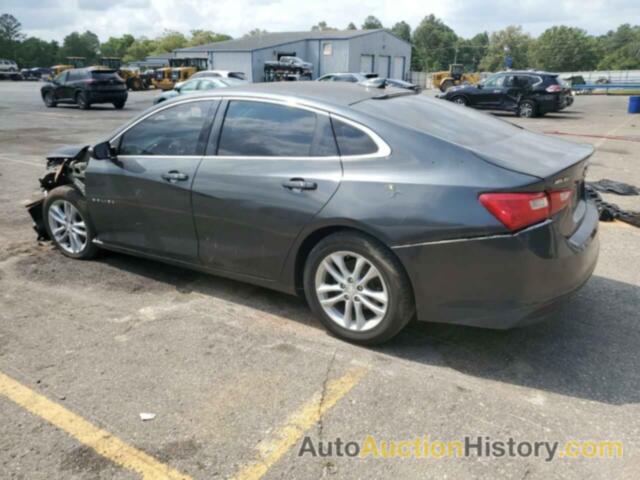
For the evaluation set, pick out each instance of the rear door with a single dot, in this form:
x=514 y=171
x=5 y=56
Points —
x=269 y=169
x=141 y=200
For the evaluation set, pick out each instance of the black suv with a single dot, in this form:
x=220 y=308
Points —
x=526 y=93
x=84 y=87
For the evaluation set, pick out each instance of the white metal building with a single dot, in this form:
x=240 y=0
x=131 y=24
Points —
x=328 y=51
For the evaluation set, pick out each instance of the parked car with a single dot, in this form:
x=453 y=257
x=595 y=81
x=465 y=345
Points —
x=287 y=68
x=347 y=77
x=85 y=87
x=376 y=206
x=8 y=65
x=215 y=74
x=37 y=73
x=198 y=85
x=527 y=93
x=390 y=82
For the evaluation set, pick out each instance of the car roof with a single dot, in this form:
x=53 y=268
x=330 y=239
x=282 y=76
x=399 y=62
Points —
x=333 y=94
x=530 y=72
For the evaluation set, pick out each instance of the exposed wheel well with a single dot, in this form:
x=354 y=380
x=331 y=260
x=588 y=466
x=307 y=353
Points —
x=313 y=239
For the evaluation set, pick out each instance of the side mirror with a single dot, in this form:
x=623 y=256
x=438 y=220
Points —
x=480 y=86
x=103 y=151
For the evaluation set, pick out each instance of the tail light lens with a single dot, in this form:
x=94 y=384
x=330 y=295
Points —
x=554 y=89
x=519 y=210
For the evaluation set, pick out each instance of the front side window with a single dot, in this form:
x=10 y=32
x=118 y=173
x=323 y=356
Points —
x=174 y=131
x=61 y=78
x=260 y=129
x=495 y=81
x=352 y=140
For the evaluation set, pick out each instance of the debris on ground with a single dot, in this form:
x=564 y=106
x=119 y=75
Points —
x=610 y=211
x=147 y=416
x=612 y=186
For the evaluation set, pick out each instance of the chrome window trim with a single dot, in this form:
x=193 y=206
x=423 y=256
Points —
x=384 y=150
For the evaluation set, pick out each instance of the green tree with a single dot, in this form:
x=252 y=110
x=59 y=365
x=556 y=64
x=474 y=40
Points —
x=10 y=28
x=84 y=44
x=352 y=26
x=512 y=42
x=564 y=49
x=322 y=26
x=620 y=49
x=202 y=37
x=117 y=46
x=140 y=49
x=169 y=41
x=434 y=43
x=371 y=23
x=255 y=32
x=470 y=51
x=34 y=52
x=402 y=30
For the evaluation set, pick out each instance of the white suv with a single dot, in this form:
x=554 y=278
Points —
x=8 y=65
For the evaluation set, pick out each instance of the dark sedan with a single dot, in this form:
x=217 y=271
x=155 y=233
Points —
x=526 y=93
x=85 y=87
x=377 y=205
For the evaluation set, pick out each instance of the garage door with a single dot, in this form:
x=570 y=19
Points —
x=366 y=63
x=383 y=65
x=398 y=67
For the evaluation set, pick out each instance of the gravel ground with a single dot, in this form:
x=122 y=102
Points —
x=225 y=366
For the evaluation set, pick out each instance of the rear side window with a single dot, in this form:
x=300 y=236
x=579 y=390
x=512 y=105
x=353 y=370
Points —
x=259 y=129
x=352 y=140
x=174 y=131
x=76 y=75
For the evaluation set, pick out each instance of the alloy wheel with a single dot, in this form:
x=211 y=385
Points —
x=526 y=110
x=351 y=291
x=67 y=226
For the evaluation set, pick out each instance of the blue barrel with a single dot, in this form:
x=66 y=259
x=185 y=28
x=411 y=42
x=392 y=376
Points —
x=634 y=104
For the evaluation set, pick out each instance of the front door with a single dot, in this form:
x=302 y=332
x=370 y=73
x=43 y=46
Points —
x=274 y=169
x=141 y=199
x=490 y=95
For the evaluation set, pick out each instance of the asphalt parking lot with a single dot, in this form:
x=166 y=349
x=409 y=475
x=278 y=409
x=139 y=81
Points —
x=237 y=376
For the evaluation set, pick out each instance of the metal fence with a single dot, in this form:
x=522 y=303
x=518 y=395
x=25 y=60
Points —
x=613 y=76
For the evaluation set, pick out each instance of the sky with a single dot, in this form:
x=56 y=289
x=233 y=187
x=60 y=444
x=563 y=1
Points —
x=53 y=19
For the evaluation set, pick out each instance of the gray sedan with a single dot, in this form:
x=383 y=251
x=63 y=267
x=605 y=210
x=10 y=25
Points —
x=197 y=85
x=378 y=206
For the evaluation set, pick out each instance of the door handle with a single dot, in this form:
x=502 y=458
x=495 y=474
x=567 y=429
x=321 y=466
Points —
x=299 y=184
x=174 y=176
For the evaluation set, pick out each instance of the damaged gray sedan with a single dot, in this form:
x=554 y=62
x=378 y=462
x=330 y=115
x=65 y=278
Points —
x=377 y=205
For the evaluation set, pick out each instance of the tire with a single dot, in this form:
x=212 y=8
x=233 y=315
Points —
x=386 y=288
x=65 y=207
x=119 y=105
x=137 y=84
x=82 y=102
x=446 y=85
x=49 y=100
x=527 y=109
x=460 y=100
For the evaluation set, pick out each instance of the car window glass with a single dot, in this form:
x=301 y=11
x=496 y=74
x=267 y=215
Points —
x=190 y=86
x=266 y=130
x=495 y=81
x=61 y=78
x=172 y=131
x=352 y=140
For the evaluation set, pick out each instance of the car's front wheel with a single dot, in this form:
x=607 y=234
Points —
x=460 y=100
x=358 y=288
x=119 y=105
x=49 y=101
x=68 y=224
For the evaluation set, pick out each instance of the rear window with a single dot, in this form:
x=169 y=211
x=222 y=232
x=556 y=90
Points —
x=440 y=118
x=104 y=74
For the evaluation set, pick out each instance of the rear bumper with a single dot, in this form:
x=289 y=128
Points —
x=107 y=97
x=501 y=281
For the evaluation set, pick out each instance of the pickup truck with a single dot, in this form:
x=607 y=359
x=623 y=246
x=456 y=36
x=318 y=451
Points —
x=287 y=66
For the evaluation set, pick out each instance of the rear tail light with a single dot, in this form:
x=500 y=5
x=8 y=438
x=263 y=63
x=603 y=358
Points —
x=519 y=210
x=554 y=89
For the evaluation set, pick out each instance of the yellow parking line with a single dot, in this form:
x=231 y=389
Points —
x=99 y=440
x=271 y=450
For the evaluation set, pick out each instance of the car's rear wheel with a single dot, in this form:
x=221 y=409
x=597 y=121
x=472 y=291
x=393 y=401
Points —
x=49 y=101
x=460 y=100
x=68 y=223
x=82 y=101
x=357 y=288
x=527 y=109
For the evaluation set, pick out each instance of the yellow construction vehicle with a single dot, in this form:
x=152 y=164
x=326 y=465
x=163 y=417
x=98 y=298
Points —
x=162 y=78
x=182 y=69
x=131 y=77
x=454 y=76
x=72 y=62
